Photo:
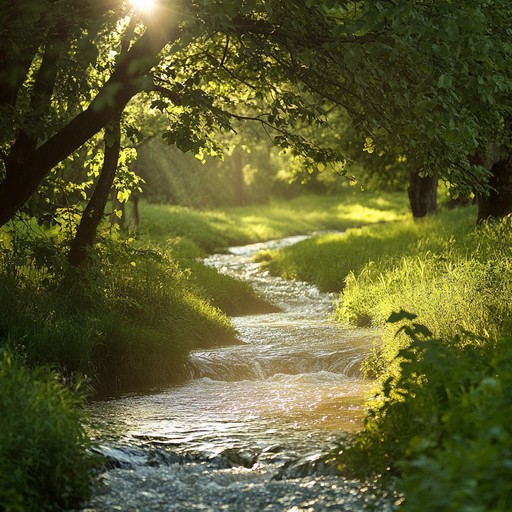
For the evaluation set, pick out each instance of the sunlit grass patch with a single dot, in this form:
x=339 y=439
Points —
x=216 y=229
x=456 y=278
x=328 y=260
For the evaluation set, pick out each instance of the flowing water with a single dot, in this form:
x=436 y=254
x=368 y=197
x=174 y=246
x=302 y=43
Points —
x=247 y=431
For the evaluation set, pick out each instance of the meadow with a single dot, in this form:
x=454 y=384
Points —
x=439 y=289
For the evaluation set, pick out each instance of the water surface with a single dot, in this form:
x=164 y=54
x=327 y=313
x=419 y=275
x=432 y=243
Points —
x=247 y=431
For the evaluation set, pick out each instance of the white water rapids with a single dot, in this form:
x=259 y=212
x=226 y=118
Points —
x=245 y=432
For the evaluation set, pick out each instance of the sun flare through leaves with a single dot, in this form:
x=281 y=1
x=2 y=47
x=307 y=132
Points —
x=143 y=5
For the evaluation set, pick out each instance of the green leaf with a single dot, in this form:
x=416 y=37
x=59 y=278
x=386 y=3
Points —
x=400 y=315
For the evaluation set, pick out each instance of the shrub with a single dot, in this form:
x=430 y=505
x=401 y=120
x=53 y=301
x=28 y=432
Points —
x=443 y=425
x=43 y=461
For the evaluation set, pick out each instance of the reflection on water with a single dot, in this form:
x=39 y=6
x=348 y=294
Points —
x=249 y=413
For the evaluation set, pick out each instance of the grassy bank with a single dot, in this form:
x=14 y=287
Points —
x=327 y=260
x=439 y=424
x=127 y=321
x=215 y=230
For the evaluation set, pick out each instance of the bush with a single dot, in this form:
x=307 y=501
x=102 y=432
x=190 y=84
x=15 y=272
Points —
x=43 y=461
x=443 y=425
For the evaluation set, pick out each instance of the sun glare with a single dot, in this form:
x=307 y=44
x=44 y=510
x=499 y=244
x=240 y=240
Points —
x=143 y=5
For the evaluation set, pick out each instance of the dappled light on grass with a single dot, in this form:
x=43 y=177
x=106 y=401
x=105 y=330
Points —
x=382 y=211
x=214 y=229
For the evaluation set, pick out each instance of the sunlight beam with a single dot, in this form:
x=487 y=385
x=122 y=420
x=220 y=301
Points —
x=143 y=5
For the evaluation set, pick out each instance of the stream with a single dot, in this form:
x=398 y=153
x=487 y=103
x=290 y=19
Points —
x=246 y=432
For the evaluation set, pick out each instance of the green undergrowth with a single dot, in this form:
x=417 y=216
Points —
x=126 y=321
x=439 y=429
x=43 y=461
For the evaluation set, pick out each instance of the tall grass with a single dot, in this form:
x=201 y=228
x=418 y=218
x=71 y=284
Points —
x=456 y=279
x=43 y=462
x=130 y=321
x=327 y=260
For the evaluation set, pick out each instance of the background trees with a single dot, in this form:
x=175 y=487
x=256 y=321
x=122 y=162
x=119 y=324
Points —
x=427 y=81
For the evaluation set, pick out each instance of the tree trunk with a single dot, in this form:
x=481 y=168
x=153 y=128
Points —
x=498 y=202
x=238 y=177
x=23 y=177
x=422 y=193
x=93 y=213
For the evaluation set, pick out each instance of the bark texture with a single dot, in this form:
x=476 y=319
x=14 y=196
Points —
x=93 y=213
x=498 y=202
x=422 y=193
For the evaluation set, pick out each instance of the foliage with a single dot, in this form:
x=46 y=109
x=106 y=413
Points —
x=442 y=424
x=455 y=279
x=427 y=80
x=129 y=321
x=43 y=461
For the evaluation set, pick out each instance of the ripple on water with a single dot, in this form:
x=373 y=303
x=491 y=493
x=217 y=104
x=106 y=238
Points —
x=247 y=432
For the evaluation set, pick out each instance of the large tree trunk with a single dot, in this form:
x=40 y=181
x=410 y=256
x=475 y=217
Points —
x=422 y=193
x=498 y=202
x=24 y=176
x=93 y=213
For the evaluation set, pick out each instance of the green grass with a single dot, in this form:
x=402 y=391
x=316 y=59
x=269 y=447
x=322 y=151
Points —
x=127 y=323
x=327 y=260
x=456 y=278
x=43 y=463
x=215 y=230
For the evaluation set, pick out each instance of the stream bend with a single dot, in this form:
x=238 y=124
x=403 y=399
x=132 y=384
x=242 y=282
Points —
x=248 y=429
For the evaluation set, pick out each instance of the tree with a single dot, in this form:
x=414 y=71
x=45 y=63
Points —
x=428 y=79
x=93 y=212
x=422 y=192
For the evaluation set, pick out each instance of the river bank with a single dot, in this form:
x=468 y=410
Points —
x=248 y=430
